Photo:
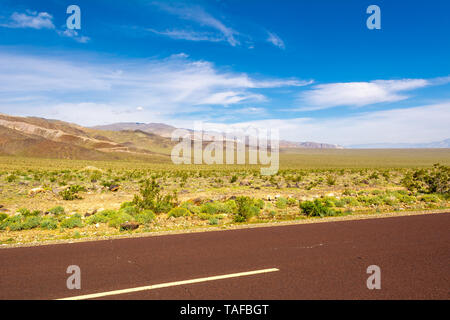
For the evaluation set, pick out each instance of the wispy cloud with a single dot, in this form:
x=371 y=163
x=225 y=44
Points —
x=41 y=20
x=204 y=19
x=189 y=35
x=358 y=94
x=171 y=86
x=275 y=40
x=69 y=33
x=30 y=19
x=411 y=125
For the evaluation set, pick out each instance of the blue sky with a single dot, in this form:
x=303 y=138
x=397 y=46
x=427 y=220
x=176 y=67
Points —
x=310 y=68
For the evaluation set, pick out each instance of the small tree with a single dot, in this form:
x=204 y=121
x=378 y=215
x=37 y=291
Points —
x=151 y=198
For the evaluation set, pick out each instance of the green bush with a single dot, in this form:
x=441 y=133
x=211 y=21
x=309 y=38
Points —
x=351 y=201
x=119 y=218
x=11 y=178
x=191 y=207
x=150 y=198
x=71 y=193
x=101 y=217
x=213 y=221
x=24 y=211
x=179 y=212
x=72 y=222
x=58 y=210
x=317 y=208
x=430 y=198
x=3 y=216
x=246 y=208
x=14 y=223
x=434 y=180
x=281 y=203
x=145 y=217
x=126 y=204
x=217 y=207
x=31 y=222
x=49 y=223
x=131 y=210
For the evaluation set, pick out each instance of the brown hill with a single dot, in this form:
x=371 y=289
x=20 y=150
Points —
x=40 y=137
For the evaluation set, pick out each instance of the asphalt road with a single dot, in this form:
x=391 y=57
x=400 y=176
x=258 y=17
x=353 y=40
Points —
x=314 y=261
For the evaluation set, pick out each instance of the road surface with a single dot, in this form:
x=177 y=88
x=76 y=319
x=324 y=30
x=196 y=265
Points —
x=307 y=261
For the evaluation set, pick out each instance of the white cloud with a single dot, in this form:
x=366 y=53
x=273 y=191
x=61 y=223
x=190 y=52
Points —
x=275 y=40
x=204 y=19
x=189 y=35
x=358 y=93
x=70 y=33
x=41 y=20
x=34 y=20
x=411 y=125
x=170 y=86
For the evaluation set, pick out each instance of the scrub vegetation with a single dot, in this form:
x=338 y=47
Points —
x=44 y=199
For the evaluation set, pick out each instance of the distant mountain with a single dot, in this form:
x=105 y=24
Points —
x=39 y=137
x=436 y=144
x=308 y=145
x=165 y=130
x=160 y=129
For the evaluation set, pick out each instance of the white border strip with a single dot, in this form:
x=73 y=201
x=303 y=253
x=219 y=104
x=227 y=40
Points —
x=169 y=284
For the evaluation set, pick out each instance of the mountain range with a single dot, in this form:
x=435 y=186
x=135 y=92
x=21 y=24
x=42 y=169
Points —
x=39 y=137
x=436 y=144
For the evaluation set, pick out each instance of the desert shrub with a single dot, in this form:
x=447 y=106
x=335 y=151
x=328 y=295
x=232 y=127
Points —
x=317 y=208
x=150 y=198
x=179 y=212
x=14 y=223
x=145 y=217
x=390 y=200
x=231 y=204
x=3 y=216
x=213 y=221
x=204 y=216
x=100 y=217
x=48 y=223
x=58 y=210
x=31 y=222
x=126 y=204
x=15 y=226
x=429 y=198
x=131 y=210
x=339 y=203
x=119 y=218
x=281 y=203
x=24 y=211
x=246 y=208
x=191 y=207
x=347 y=192
x=404 y=198
x=72 y=222
x=233 y=179
x=331 y=180
x=216 y=207
x=71 y=193
x=435 y=180
x=11 y=178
